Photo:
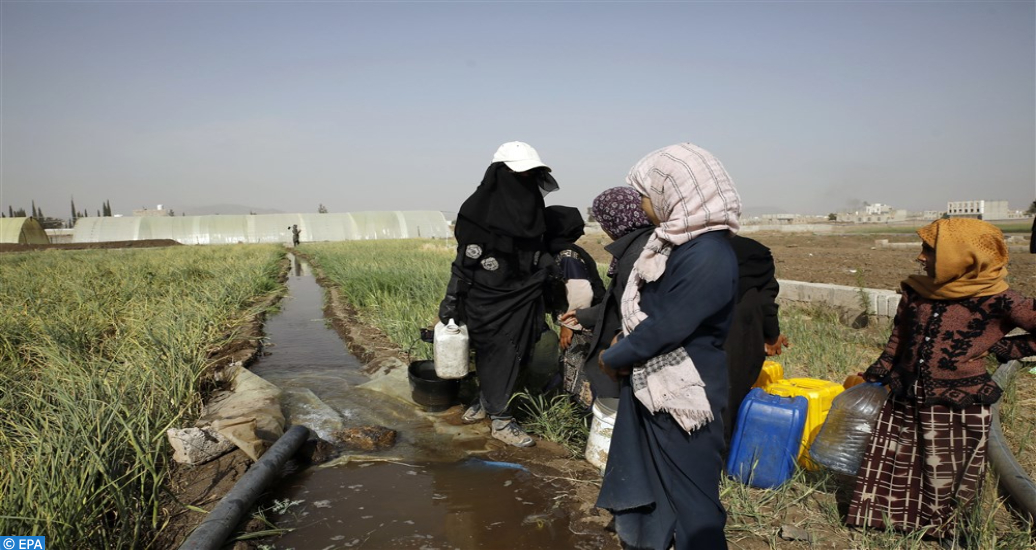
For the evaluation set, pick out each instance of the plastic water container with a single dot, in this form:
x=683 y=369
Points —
x=767 y=438
x=451 y=350
x=600 y=438
x=819 y=394
x=771 y=372
x=845 y=435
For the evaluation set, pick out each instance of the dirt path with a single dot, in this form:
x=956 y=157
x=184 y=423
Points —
x=147 y=243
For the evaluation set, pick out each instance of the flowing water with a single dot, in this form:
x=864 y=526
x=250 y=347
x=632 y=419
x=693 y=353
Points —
x=429 y=491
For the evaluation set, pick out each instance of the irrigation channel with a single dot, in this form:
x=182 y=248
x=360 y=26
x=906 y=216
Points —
x=430 y=491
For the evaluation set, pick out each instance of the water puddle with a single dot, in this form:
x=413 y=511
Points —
x=427 y=492
x=469 y=504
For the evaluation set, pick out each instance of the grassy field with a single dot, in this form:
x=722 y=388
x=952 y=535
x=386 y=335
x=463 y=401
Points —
x=397 y=287
x=100 y=353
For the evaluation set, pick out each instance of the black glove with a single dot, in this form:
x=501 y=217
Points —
x=450 y=307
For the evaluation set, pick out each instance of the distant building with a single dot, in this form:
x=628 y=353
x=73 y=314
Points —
x=782 y=219
x=885 y=214
x=157 y=212
x=978 y=209
x=878 y=209
x=57 y=236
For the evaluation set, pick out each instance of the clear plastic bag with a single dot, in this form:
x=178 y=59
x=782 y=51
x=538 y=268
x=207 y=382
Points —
x=846 y=432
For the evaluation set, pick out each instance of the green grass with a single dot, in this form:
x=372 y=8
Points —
x=823 y=347
x=395 y=285
x=555 y=417
x=100 y=353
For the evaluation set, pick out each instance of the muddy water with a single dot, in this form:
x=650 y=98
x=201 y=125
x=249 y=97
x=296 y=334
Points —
x=430 y=491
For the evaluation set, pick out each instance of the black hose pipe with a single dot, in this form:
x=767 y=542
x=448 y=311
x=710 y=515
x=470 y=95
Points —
x=221 y=521
x=1014 y=480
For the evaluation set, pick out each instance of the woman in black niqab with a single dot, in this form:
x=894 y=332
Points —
x=496 y=285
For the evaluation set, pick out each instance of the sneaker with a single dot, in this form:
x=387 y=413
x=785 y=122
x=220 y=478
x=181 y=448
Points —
x=475 y=413
x=511 y=433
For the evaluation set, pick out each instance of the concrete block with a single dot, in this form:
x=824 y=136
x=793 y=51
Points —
x=197 y=445
x=880 y=302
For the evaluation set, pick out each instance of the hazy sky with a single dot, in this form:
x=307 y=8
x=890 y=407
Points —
x=811 y=106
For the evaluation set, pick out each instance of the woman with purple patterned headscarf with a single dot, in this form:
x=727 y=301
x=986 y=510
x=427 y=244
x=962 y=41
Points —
x=621 y=217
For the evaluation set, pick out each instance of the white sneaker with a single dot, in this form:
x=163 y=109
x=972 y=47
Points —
x=475 y=413
x=511 y=433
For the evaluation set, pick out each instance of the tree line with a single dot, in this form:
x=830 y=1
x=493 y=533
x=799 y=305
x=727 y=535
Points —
x=48 y=222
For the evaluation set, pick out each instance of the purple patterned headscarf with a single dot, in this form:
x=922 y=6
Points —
x=618 y=211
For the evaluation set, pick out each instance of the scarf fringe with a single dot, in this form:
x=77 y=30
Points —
x=677 y=390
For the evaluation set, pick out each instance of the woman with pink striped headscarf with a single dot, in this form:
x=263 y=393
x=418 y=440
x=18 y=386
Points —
x=662 y=478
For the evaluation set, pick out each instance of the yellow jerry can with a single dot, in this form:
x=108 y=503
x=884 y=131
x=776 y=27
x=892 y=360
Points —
x=818 y=394
x=771 y=372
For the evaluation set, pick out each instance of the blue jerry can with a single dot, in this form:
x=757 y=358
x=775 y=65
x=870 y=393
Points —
x=766 y=440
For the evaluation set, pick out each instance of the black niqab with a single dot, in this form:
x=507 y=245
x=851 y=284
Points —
x=506 y=209
x=564 y=227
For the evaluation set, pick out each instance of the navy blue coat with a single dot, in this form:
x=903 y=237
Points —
x=661 y=483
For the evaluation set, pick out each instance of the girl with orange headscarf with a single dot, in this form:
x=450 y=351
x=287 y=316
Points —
x=927 y=456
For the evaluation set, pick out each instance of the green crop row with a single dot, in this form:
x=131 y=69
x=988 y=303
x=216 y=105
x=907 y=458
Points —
x=394 y=285
x=100 y=353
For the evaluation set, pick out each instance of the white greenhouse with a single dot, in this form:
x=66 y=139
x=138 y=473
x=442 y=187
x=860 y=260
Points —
x=265 y=228
x=22 y=231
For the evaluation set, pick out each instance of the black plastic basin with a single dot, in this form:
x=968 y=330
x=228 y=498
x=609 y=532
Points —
x=430 y=391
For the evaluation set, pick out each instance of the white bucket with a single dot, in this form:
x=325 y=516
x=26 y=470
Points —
x=601 y=431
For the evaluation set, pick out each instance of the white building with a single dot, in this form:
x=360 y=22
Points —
x=878 y=209
x=979 y=209
x=887 y=216
x=144 y=212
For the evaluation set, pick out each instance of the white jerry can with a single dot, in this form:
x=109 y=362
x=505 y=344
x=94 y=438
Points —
x=451 y=350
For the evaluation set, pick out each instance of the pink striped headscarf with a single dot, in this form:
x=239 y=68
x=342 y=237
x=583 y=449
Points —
x=691 y=193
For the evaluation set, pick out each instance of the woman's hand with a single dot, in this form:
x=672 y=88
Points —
x=565 y=338
x=776 y=346
x=614 y=374
x=568 y=318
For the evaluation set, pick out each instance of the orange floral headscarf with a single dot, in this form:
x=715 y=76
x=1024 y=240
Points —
x=970 y=260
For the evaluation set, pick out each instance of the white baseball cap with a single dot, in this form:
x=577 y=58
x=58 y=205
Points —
x=519 y=156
